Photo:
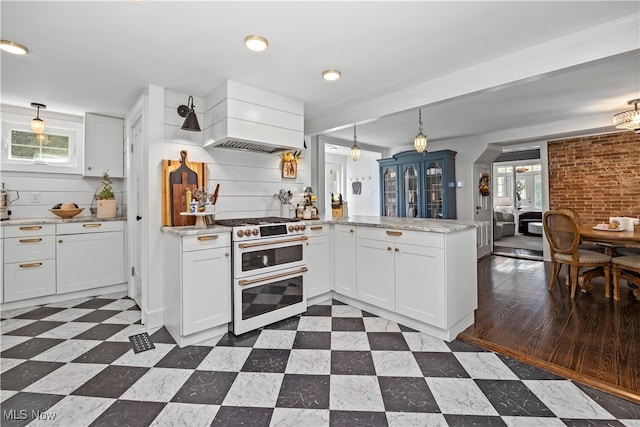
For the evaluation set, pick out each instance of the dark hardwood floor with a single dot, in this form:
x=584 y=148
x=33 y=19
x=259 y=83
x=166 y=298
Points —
x=592 y=340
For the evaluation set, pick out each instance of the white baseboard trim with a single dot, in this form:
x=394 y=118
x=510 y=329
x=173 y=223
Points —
x=50 y=299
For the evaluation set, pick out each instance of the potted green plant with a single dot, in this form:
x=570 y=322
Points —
x=105 y=198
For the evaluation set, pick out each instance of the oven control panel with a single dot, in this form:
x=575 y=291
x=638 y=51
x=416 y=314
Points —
x=251 y=232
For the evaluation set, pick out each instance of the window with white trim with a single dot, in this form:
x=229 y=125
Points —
x=57 y=150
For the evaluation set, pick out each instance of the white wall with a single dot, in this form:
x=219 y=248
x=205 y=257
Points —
x=54 y=188
x=366 y=171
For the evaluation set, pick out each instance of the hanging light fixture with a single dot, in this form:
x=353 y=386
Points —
x=355 y=150
x=191 y=121
x=629 y=119
x=13 y=47
x=420 y=141
x=37 y=124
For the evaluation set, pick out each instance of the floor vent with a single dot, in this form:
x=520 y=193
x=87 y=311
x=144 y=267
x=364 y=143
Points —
x=141 y=342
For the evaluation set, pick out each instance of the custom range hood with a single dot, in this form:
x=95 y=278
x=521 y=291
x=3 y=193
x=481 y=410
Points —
x=243 y=117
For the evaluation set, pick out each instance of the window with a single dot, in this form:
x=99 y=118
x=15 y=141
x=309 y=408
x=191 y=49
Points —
x=58 y=150
x=39 y=148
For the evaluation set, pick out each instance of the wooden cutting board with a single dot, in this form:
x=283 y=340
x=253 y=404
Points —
x=177 y=176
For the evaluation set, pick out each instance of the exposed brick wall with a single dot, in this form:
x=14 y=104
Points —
x=598 y=176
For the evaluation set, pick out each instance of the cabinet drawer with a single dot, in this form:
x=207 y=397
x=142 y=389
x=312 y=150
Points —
x=205 y=241
x=20 y=249
x=29 y=230
x=317 y=230
x=89 y=227
x=29 y=280
x=422 y=238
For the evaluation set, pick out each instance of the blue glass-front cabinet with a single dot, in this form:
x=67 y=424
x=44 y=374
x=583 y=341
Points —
x=419 y=185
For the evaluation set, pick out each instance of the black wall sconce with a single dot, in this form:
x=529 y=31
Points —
x=191 y=121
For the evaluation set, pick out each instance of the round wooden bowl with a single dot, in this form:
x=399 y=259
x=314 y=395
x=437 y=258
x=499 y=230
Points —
x=66 y=213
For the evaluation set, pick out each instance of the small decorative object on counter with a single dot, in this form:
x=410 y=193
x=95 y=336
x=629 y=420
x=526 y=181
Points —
x=337 y=206
x=105 y=198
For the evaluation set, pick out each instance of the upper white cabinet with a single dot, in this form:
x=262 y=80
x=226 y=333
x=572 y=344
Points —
x=104 y=146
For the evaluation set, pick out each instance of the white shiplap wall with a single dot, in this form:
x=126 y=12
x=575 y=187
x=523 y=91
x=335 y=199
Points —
x=248 y=181
x=53 y=188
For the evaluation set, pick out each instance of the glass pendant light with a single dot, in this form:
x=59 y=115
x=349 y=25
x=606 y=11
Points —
x=37 y=124
x=355 y=150
x=629 y=119
x=420 y=141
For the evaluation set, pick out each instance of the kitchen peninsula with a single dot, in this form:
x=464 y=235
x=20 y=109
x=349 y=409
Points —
x=418 y=272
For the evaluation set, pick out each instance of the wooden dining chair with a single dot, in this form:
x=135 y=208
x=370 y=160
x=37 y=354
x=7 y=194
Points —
x=563 y=233
x=625 y=264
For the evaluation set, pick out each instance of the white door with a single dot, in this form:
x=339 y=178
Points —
x=136 y=189
x=483 y=211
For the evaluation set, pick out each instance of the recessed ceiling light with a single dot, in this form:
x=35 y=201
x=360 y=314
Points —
x=331 y=75
x=256 y=43
x=13 y=47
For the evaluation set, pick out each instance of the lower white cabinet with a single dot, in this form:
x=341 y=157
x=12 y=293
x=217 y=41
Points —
x=89 y=255
x=29 y=259
x=198 y=287
x=376 y=273
x=419 y=280
x=345 y=259
x=319 y=277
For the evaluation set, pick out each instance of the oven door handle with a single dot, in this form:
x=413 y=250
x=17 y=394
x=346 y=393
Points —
x=272 y=242
x=247 y=282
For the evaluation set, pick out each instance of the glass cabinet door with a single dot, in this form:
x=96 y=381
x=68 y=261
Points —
x=390 y=192
x=433 y=188
x=411 y=192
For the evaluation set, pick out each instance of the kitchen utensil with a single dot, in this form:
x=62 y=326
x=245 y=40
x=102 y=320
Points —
x=214 y=198
x=180 y=180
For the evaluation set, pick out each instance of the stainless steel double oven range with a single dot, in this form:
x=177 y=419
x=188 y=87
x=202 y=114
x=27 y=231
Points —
x=268 y=270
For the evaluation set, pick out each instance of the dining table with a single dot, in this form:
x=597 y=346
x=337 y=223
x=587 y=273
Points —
x=611 y=241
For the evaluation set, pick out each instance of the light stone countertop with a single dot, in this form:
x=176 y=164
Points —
x=399 y=223
x=58 y=220
x=190 y=230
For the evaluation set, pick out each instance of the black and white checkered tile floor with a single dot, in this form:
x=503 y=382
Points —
x=71 y=364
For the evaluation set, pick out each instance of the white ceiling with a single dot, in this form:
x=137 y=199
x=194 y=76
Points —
x=100 y=57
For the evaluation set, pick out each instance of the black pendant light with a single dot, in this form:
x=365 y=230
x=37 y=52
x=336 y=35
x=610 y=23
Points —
x=191 y=121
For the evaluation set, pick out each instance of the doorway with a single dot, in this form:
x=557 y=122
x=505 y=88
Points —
x=517 y=207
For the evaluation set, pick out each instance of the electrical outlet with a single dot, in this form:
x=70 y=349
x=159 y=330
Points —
x=34 y=197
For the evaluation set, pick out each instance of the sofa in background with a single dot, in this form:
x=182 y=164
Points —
x=524 y=218
x=504 y=225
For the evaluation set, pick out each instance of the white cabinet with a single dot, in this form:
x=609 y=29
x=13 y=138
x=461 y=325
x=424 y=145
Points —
x=104 y=145
x=29 y=262
x=419 y=279
x=375 y=274
x=319 y=277
x=89 y=255
x=345 y=259
x=402 y=271
x=198 y=289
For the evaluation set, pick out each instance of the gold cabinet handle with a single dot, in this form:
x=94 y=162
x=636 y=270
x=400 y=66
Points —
x=31 y=264
x=91 y=225
x=60 y=241
x=226 y=254
x=316 y=227
x=397 y=250
x=351 y=230
x=394 y=233
x=212 y=237
x=35 y=240
x=30 y=228
x=388 y=248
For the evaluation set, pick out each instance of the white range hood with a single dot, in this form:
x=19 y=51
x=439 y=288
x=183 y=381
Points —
x=243 y=117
